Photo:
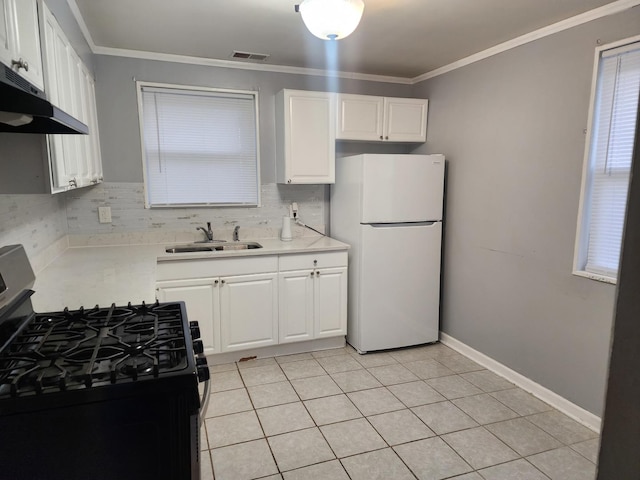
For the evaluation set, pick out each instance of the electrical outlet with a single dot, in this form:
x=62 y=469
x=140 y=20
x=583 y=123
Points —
x=104 y=214
x=293 y=208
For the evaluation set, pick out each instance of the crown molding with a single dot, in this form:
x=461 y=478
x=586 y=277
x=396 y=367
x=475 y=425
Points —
x=213 y=62
x=604 y=11
x=81 y=23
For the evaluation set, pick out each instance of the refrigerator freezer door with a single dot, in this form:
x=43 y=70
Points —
x=400 y=286
x=402 y=188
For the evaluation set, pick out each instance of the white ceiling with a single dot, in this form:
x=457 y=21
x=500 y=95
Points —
x=401 y=38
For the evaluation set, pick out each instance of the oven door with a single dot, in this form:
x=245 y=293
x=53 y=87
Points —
x=142 y=437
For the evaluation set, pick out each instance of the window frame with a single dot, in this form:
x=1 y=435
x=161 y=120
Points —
x=582 y=229
x=254 y=93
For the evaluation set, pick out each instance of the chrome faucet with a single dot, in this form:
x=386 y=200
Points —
x=236 y=236
x=208 y=232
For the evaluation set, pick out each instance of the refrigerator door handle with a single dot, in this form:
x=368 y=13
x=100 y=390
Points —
x=405 y=224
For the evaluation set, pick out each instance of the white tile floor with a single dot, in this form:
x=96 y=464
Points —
x=426 y=412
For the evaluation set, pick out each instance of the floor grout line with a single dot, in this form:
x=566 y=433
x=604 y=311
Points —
x=405 y=407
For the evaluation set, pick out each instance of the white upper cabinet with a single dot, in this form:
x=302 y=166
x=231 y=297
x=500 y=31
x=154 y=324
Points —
x=74 y=160
x=20 y=39
x=405 y=119
x=305 y=137
x=360 y=117
x=6 y=16
x=371 y=118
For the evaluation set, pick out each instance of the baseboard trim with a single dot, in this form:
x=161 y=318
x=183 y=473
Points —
x=579 y=414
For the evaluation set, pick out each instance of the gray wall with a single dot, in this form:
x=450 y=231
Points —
x=118 y=109
x=512 y=129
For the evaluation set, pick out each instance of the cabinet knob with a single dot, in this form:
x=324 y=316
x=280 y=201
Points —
x=289 y=181
x=315 y=262
x=317 y=273
x=381 y=137
x=222 y=282
x=311 y=274
x=387 y=137
x=216 y=282
x=73 y=182
x=20 y=63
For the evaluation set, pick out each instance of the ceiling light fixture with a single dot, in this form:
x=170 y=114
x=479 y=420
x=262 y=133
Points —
x=331 y=19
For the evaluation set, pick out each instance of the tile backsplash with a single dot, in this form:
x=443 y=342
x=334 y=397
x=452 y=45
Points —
x=132 y=223
x=39 y=222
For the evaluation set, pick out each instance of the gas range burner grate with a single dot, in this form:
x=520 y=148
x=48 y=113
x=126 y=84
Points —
x=84 y=348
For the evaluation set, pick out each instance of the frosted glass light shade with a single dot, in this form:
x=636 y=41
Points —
x=331 y=19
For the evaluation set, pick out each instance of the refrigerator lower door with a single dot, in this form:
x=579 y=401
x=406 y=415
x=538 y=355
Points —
x=399 y=285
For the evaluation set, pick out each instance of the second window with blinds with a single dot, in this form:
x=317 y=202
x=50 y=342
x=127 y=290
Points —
x=199 y=146
x=607 y=165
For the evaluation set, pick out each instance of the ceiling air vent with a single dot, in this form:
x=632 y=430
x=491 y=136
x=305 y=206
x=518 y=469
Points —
x=257 y=57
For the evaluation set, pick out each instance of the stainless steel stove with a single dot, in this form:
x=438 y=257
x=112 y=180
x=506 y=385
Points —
x=102 y=393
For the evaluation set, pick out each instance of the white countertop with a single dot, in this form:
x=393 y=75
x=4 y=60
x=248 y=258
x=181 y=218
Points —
x=86 y=276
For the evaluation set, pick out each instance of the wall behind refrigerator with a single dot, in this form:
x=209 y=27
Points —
x=512 y=129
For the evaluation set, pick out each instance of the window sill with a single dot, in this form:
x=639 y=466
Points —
x=596 y=277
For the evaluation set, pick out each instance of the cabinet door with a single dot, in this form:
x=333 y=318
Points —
x=405 y=119
x=95 y=157
x=27 y=45
x=202 y=301
x=330 y=302
x=295 y=291
x=65 y=146
x=248 y=311
x=81 y=112
x=306 y=137
x=360 y=117
x=6 y=31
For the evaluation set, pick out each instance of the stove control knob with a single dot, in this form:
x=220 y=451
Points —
x=198 y=347
x=202 y=369
x=195 y=330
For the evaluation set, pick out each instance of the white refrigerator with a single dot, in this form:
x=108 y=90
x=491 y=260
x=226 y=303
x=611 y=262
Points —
x=389 y=209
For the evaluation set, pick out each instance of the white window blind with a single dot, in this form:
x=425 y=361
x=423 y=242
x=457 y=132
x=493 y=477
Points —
x=611 y=150
x=200 y=147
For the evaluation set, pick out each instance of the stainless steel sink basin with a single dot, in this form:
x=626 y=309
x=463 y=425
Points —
x=212 y=247
x=239 y=246
x=190 y=248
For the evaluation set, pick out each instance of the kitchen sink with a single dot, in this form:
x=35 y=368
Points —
x=239 y=246
x=213 y=247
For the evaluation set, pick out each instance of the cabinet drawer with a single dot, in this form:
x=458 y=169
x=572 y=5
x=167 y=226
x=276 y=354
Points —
x=313 y=260
x=216 y=267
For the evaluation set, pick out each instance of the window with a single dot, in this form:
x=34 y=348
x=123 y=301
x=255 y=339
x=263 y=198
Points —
x=199 y=146
x=608 y=162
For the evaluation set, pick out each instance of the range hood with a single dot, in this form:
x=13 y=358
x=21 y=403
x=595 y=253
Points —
x=25 y=108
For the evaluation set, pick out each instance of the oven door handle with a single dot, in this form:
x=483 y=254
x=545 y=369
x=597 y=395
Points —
x=204 y=401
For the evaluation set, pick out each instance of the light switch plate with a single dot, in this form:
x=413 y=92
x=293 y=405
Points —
x=104 y=214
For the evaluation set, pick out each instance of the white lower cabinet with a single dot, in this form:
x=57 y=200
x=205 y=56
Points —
x=203 y=305
x=296 y=306
x=234 y=313
x=313 y=304
x=248 y=311
x=254 y=302
x=330 y=302
x=313 y=296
